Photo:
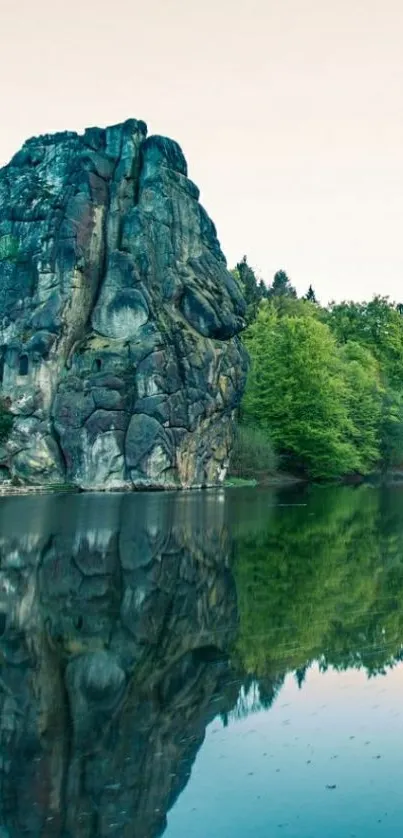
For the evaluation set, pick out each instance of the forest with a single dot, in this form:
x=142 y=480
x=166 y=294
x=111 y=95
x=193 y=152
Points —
x=324 y=396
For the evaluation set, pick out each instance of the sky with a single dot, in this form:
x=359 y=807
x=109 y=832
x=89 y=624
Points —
x=289 y=112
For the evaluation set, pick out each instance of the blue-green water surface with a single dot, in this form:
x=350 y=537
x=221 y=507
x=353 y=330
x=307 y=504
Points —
x=323 y=761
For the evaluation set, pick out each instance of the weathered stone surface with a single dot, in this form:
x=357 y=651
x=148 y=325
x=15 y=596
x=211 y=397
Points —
x=115 y=299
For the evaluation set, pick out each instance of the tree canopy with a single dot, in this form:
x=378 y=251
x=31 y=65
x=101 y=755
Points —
x=376 y=324
x=281 y=286
x=301 y=390
x=325 y=384
x=253 y=290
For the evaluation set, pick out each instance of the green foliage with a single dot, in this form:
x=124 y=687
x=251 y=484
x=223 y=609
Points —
x=6 y=421
x=310 y=295
x=281 y=286
x=263 y=290
x=252 y=453
x=319 y=578
x=232 y=481
x=9 y=248
x=252 y=290
x=365 y=400
x=377 y=325
x=325 y=384
x=289 y=306
x=297 y=393
x=391 y=429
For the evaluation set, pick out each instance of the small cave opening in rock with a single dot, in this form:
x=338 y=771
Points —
x=78 y=622
x=97 y=365
x=23 y=365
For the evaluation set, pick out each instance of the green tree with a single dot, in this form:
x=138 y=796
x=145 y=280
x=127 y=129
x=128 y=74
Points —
x=391 y=429
x=263 y=289
x=253 y=290
x=365 y=402
x=288 y=306
x=297 y=393
x=281 y=286
x=377 y=325
x=310 y=295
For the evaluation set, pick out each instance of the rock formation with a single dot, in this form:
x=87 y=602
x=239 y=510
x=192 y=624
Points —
x=119 y=355
x=114 y=643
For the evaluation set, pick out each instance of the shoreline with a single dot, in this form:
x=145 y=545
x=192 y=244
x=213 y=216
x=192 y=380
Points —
x=281 y=480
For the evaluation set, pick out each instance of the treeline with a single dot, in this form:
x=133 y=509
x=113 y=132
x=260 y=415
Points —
x=324 y=396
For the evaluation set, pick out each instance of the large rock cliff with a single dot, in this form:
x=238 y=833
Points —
x=119 y=355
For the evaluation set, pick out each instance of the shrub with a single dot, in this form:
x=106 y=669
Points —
x=6 y=421
x=252 y=452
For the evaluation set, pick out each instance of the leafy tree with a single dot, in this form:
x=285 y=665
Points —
x=289 y=306
x=377 y=325
x=297 y=393
x=391 y=429
x=365 y=402
x=325 y=385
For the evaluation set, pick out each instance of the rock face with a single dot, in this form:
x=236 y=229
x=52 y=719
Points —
x=119 y=355
x=117 y=615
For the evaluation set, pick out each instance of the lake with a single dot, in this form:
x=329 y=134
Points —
x=218 y=664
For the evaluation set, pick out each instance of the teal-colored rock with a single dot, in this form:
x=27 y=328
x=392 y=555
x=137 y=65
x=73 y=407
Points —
x=118 y=316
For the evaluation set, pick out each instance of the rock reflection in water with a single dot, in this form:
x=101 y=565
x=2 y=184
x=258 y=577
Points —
x=127 y=623
x=116 y=614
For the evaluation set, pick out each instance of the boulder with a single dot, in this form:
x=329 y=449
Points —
x=119 y=321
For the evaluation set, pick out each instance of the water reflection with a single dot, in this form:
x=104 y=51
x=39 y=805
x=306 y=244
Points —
x=322 y=580
x=129 y=623
x=117 y=614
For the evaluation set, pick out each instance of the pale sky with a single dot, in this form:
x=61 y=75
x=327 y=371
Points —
x=290 y=114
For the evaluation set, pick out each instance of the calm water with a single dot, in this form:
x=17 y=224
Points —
x=214 y=665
